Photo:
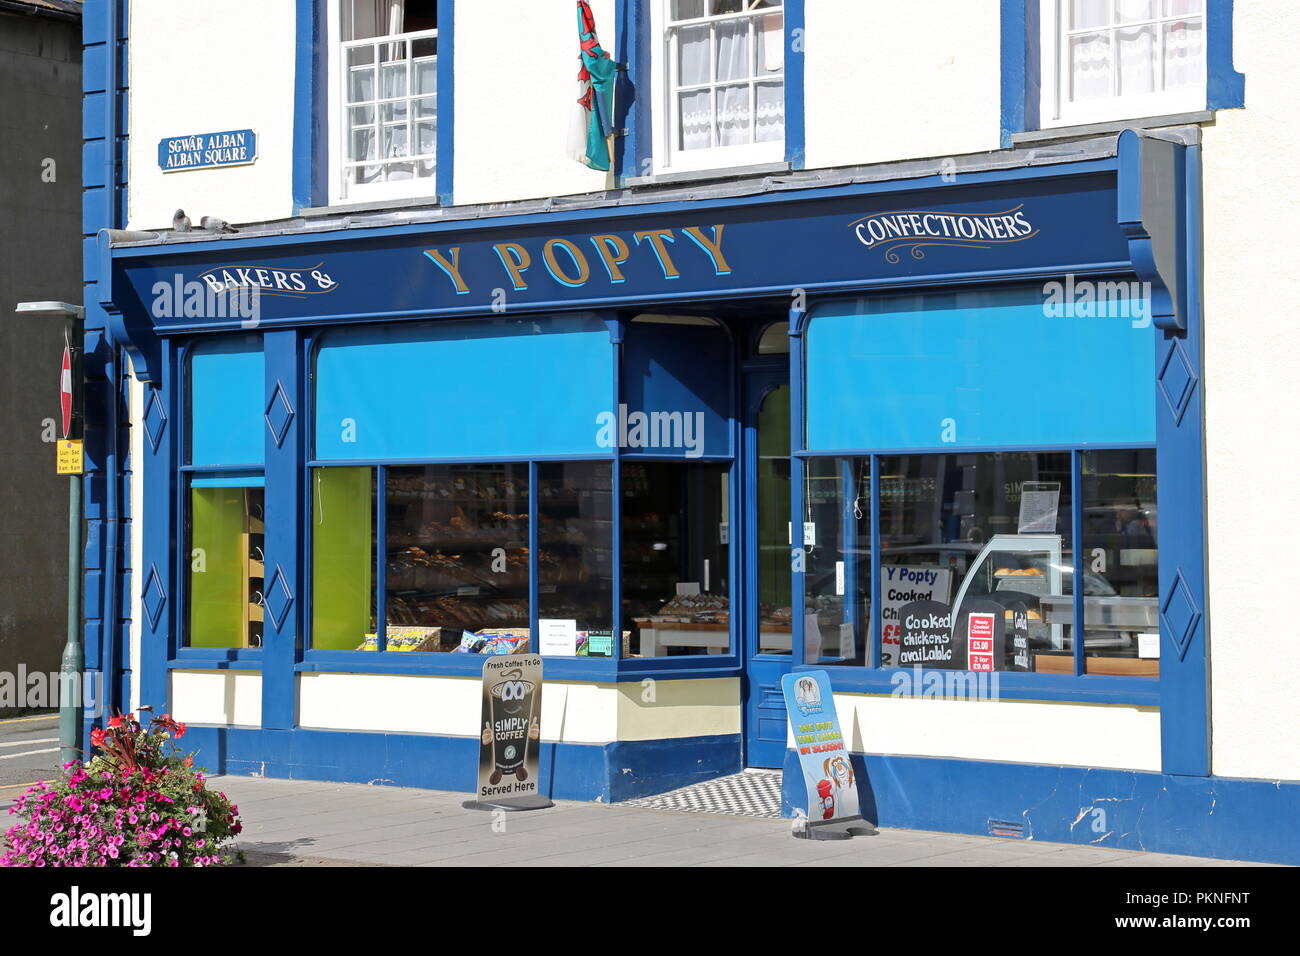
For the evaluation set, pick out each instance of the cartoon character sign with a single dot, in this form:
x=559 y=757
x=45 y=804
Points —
x=510 y=726
x=511 y=712
x=840 y=770
x=807 y=696
x=826 y=793
x=823 y=755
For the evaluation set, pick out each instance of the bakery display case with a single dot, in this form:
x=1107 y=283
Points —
x=1032 y=570
x=456 y=553
x=1018 y=568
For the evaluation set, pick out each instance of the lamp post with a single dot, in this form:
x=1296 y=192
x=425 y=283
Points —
x=70 y=463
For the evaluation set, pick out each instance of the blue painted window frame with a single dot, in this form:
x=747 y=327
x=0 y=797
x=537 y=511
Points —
x=873 y=679
x=251 y=474
x=613 y=669
x=1076 y=686
x=305 y=659
x=1022 y=64
x=635 y=96
x=311 y=108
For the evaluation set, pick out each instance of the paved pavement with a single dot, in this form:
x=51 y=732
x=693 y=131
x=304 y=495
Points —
x=29 y=751
x=305 y=823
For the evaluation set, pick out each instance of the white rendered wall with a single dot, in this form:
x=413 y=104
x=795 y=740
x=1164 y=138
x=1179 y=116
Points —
x=200 y=67
x=516 y=83
x=1252 y=379
x=887 y=80
x=572 y=712
x=1011 y=731
x=223 y=698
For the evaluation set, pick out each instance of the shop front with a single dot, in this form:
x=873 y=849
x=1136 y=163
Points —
x=680 y=448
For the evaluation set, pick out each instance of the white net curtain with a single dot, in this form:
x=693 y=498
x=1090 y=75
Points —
x=1120 y=48
x=729 y=84
x=391 y=90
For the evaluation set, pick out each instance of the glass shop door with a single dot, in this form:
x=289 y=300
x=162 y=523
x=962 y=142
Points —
x=767 y=592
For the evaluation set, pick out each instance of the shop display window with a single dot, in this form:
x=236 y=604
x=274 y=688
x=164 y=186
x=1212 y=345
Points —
x=977 y=566
x=575 y=547
x=675 y=587
x=457 y=562
x=343 y=543
x=1119 y=554
x=837 y=569
x=224 y=501
x=967 y=536
x=226 y=538
x=456 y=557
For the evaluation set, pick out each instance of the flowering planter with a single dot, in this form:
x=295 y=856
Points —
x=138 y=802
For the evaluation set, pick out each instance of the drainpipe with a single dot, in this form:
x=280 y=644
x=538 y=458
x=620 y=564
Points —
x=110 y=630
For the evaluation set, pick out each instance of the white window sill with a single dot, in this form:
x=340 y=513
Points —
x=1112 y=126
x=698 y=175
x=370 y=205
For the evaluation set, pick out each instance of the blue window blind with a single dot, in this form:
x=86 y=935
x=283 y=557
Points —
x=227 y=385
x=678 y=378
x=504 y=388
x=1009 y=367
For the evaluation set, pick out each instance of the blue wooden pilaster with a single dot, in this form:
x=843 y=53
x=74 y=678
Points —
x=164 y=548
x=1160 y=213
x=286 y=566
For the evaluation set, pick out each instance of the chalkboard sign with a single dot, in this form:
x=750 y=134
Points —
x=1017 y=618
x=925 y=636
x=981 y=634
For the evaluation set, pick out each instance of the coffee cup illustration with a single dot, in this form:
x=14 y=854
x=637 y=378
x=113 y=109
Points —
x=512 y=725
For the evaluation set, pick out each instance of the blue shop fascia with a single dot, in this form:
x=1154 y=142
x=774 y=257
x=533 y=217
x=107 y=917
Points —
x=378 y=447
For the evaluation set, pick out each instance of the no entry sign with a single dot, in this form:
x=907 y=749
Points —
x=69 y=459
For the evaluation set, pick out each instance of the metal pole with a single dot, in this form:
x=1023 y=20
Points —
x=71 y=669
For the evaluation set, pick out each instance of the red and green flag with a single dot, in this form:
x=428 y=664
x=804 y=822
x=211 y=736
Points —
x=593 y=114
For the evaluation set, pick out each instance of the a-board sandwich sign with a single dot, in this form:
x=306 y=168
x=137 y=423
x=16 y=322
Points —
x=823 y=758
x=510 y=735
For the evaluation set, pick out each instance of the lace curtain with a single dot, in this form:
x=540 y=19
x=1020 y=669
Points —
x=735 y=67
x=1124 y=57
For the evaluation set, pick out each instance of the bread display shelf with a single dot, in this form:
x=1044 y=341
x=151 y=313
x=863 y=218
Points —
x=658 y=636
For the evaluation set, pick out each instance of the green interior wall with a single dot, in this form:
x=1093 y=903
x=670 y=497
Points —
x=217 y=582
x=342 y=560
